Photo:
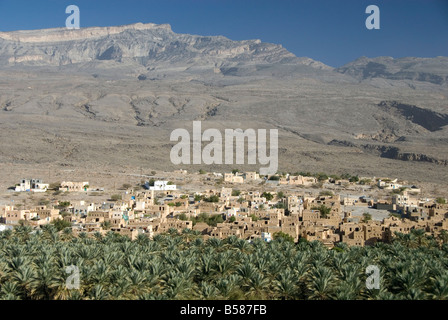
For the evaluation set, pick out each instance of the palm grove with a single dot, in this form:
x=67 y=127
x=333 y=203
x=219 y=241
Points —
x=185 y=266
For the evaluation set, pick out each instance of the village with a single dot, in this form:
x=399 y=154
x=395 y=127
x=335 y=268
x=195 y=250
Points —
x=241 y=204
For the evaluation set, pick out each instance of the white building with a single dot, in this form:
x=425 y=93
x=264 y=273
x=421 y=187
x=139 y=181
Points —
x=4 y=227
x=161 y=186
x=34 y=185
x=231 y=212
x=82 y=208
x=405 y=200
x=266 y=236
x=389 y=185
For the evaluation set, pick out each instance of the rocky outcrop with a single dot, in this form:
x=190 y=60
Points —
x=428 y=119
x=390 y=152
x=432 y=70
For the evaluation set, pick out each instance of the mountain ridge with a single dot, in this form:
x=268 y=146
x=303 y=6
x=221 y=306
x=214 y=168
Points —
x=152 y=45
x=432 y=70
x=144 y=43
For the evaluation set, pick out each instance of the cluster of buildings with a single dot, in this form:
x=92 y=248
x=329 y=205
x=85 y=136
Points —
x=243 y=177
x=245 y=214
x=37 y=185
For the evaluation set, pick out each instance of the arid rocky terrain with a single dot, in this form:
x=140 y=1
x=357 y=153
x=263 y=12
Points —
x=84 y=104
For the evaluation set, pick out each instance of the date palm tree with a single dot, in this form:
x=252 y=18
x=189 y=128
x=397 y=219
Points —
x=6 y=235
x=24 y=277
x=207 y=291
x=286 y=285
x=23 y=232
x=205 y=267
x=98 y=292
x=443 y=237
x=10 y=291
x=229 y=286
x=174 y=285
x=439 y=287
x=43 y=287
x=136 y=283
x=67 y=234
x=321 y=283
x=222 y=263
x=258 y=286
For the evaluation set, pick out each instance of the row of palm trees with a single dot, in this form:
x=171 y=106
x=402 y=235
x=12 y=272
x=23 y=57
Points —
x=184 y=266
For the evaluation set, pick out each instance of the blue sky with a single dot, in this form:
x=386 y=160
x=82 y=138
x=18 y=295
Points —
x=331 y=31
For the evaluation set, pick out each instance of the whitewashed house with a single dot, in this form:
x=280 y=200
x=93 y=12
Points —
x=160 y=186
x=33 y=185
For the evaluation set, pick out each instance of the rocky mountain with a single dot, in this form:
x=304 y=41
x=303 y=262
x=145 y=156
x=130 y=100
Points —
x=109 y=98
x=432 y=70
x=147 y=45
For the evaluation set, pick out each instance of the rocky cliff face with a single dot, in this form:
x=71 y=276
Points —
x=63 y=34
x=149 y=45
x=390 y=152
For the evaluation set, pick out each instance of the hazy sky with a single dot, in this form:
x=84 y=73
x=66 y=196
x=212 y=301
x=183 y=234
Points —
x=331 y=31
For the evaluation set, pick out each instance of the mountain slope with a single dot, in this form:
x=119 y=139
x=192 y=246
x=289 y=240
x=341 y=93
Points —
x=110 y=97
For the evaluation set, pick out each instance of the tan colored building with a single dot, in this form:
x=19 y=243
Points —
x=298 y=180
x=352 y=234
x=251 y=176
x=98 y=216
x=233 y=178
x=70 y=186
x=179 y=225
